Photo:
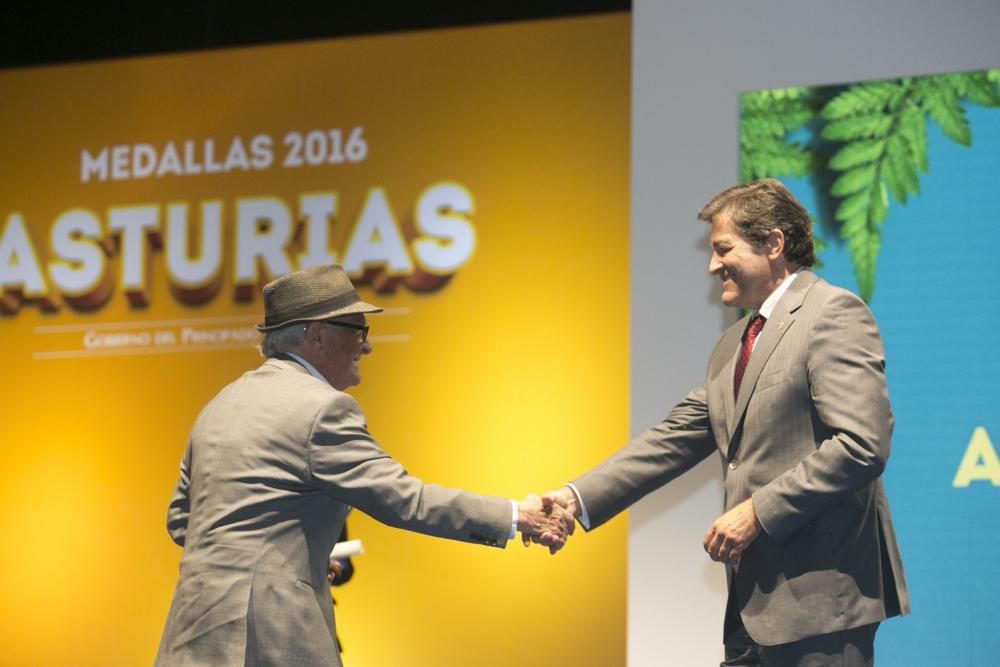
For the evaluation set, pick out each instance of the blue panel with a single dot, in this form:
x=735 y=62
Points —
x=937 y=301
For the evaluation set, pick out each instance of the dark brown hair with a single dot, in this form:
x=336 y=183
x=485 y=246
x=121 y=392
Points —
x=758 y=207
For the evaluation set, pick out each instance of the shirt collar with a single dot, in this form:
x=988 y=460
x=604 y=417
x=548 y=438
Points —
x=771 y=301
x=306 y=365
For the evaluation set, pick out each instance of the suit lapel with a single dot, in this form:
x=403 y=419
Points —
x=781 y=320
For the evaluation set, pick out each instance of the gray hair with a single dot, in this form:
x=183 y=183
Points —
x=284 y=339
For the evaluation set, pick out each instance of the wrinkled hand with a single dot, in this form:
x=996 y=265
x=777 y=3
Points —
x=334 y=570
x=732 y=533
x=544 y=523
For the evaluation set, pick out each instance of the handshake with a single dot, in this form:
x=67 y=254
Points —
x=548 y=520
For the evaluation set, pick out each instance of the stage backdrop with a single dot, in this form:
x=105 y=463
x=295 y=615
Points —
x=901 y=177
x=474 y=181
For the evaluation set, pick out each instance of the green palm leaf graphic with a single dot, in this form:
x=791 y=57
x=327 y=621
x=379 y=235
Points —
x=880 y=131
x=767 y=118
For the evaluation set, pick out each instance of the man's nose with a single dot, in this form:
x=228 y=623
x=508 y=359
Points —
x=714 y=265
x=366 y=348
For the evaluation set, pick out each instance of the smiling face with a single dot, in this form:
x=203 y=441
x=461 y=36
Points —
x=336 y=351
x=748 y=273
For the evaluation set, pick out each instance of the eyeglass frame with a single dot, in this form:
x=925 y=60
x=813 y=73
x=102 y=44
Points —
x=363 y=328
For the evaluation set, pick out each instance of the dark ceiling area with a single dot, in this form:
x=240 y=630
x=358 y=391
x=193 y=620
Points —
x=38 y=33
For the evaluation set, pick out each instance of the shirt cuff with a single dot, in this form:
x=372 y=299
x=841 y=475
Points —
x=513 y=520
x=584 y=518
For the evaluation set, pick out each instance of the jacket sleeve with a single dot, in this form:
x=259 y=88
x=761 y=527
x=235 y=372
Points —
x=846 y=374
x=346 y=463
x=179 y=509
x=649 y=461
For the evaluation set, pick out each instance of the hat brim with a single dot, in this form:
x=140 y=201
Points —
x=354 y=308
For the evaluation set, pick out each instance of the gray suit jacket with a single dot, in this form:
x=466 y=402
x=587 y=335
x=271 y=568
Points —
x=807 y=438
x=273 y=464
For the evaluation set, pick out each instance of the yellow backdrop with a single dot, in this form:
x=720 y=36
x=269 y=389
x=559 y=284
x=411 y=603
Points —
x=508 y=376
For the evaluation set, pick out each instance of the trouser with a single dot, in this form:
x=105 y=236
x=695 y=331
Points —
x=846 y=648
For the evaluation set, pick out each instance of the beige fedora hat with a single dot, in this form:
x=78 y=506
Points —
x=316 y=293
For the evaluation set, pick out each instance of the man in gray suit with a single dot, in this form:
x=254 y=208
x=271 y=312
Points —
x=273 y=465
x=795 y=403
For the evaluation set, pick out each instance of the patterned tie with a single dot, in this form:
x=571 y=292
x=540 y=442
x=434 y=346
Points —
x=749 y=336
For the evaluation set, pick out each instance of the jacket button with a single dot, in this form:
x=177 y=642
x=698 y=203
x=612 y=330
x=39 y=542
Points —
x=733 y=464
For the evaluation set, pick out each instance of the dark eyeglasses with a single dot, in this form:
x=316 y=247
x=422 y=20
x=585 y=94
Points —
x=363 y=328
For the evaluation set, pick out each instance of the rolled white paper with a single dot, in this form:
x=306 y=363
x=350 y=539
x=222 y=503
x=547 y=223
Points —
x=342 y=550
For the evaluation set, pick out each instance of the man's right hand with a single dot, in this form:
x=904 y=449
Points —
x=546 y=523
x=565 y=498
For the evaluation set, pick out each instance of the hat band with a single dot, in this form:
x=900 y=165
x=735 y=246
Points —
x=317 y=309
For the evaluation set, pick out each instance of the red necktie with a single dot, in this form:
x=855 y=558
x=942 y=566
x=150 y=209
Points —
x=749 y=336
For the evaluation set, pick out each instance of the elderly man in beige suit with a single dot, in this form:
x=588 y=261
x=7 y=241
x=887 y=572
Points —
x=795 y=403
x=273 y=465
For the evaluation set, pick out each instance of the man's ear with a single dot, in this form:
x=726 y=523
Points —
x=775 y=244
x=312 y=335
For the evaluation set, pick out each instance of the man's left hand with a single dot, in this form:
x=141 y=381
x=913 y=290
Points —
x=732 y=533
x=334 y=569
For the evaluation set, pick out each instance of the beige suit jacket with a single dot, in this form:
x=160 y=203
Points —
x=273 y=464
x=807 y=438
